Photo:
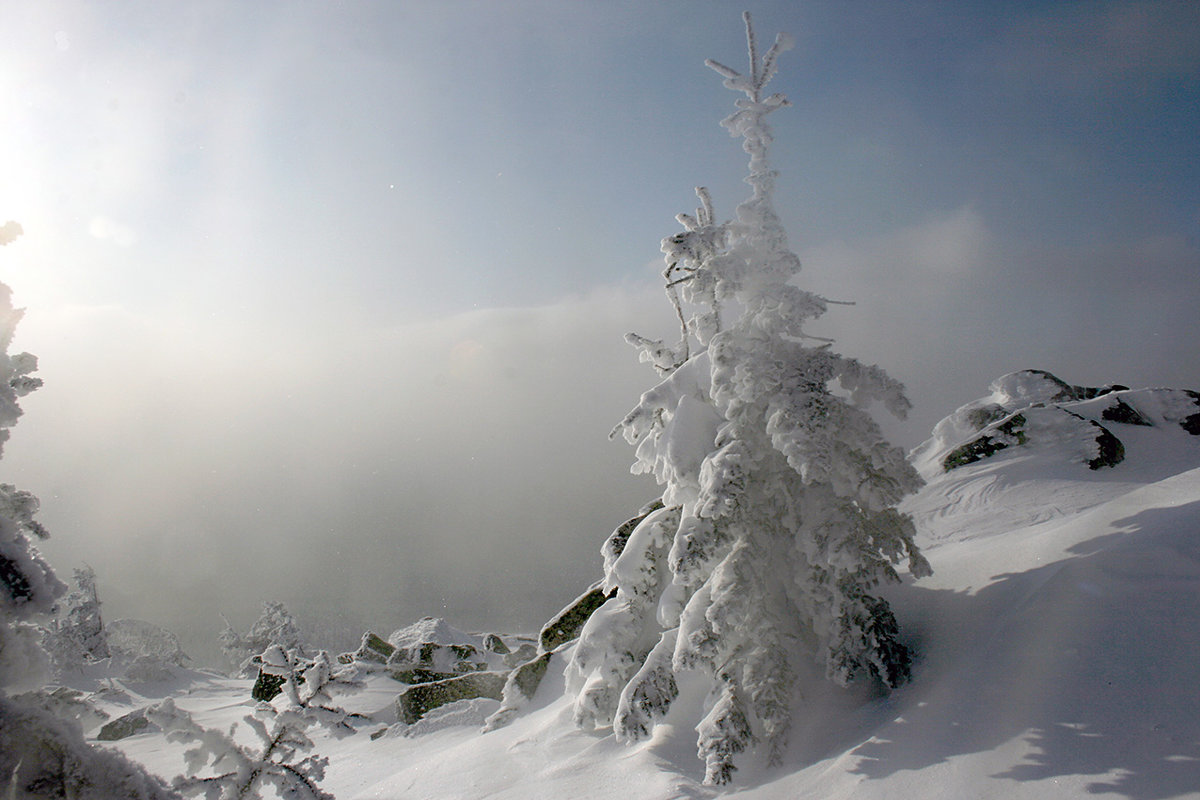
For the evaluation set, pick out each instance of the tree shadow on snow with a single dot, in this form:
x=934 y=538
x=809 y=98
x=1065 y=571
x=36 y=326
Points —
x=1089 y=666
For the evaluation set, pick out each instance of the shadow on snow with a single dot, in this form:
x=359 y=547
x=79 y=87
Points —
x=1094 y=661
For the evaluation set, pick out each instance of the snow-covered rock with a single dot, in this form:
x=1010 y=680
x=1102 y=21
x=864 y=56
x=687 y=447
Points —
x=132 y=723
x=433 y=645
x=373 y=649
x=566 y=624
x=1035 y=409
x=415 y=701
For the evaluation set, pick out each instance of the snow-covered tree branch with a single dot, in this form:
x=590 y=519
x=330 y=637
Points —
x=281 y=727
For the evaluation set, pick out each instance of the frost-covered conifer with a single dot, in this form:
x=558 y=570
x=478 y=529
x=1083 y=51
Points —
x=78 y=635
x=274 y=626
x=239 y=771
x=779 y=491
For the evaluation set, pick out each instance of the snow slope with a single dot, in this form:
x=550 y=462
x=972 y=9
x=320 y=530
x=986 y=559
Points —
x=1059 y=656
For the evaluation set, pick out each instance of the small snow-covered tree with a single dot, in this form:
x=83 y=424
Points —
x=274 y=626
x=239 y=771
x=77 y=635
x=778 y=518
x=309 y=685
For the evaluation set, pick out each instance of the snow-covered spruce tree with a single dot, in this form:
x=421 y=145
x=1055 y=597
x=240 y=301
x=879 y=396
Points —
x=779 y=491
x=274 y=626
x=77 y=635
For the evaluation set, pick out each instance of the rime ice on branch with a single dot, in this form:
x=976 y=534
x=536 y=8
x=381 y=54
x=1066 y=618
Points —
x=778 y=518
x=278 y=760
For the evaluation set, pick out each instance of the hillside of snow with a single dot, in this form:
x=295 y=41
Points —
x=1058 y=653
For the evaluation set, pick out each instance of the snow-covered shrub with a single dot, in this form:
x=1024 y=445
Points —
x=309 y=684
x=238 y=771
x=149 y=652
x=779 y=491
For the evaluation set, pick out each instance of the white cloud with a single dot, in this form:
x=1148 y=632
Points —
x=956 y=243
x=109 y=230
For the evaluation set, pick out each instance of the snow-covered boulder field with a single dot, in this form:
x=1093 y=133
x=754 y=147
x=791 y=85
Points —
x=1056 y=646
x=1037 y=409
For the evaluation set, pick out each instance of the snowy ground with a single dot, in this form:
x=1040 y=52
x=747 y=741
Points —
x=1058 y=657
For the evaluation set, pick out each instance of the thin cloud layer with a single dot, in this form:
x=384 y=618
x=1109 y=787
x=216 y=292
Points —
x=455 y=466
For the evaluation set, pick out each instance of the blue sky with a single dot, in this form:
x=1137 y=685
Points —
x=349 y=280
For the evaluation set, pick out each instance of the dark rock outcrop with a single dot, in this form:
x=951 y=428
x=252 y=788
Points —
x=1009 y=432
x=519 y=689
x=1122 y=412
x=416 y=701
x=372 y=649
x=1112 y=451
x=494 y=644
x=565 y=625
x=267 y=687
x=523 y=653
x=132 y=723
x=418 y=675
x=527 y=677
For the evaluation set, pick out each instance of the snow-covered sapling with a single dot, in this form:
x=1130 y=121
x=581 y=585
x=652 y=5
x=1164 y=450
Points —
x=281 y=727
x=779 y=495
x=239 y=771
x=309 y=685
